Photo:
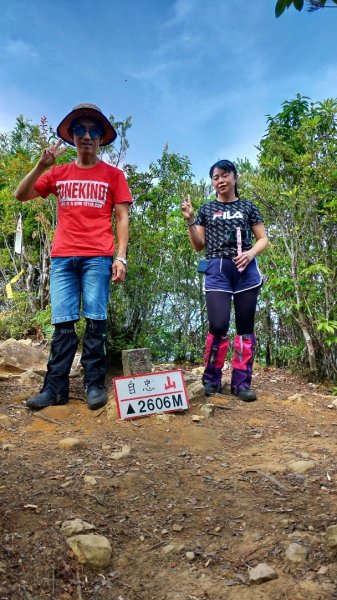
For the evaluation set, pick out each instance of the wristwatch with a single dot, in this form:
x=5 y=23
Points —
x=122 y=260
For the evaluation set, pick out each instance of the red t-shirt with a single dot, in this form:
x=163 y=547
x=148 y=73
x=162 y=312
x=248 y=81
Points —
x=86 y=198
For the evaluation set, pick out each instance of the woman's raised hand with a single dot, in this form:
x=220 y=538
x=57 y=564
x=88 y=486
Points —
x=50 y=154
x=187 y=208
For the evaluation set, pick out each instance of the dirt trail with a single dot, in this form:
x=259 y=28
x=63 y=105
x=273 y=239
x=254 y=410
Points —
x=222 y=488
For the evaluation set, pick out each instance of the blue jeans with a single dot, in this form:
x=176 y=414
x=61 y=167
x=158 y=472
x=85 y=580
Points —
x=76 y=281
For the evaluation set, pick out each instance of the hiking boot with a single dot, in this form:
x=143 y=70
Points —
x=245 y=394
x=96 y=397
x=44 y=399
x=212 y=388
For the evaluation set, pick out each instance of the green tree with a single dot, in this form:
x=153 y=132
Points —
x=295 y=183
x=161 y=303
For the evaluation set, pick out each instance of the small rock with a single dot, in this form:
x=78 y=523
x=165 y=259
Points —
x=136 y=360
x=141 y=538
x=316 y=434
x=71 y=444
x=163 y=417
x=334 y=403
x=302 y=466
x=90 y=480
x=115 y=482
x=7 y=447
x=66 y=484
x=2 y=568
x=72 y=526
x=122 y=454
x=262 y=573
x=197 y=418
x=4 y=420
x=177 y=527
x=190 y=556
x=91 y=549
x=207 y=410
x=169 y=548
x=323 y=570
x=332 y=536
x=196 y=392
x=295 y=398
x=296 y=553
x=29 y=376
x=106 y=447
x=197 y=371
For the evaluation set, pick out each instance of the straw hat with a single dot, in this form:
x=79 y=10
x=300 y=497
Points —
x=90 y=111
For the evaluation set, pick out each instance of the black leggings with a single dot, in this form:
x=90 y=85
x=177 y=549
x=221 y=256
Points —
x=219 y=310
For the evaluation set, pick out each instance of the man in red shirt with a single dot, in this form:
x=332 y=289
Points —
x=82 y=264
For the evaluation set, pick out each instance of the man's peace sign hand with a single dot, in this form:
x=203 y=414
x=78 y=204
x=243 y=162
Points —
x=49 y=155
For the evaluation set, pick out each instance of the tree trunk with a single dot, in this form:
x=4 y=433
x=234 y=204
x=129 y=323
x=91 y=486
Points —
x=310 y=345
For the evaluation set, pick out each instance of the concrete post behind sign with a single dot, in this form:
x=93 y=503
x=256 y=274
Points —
x=136 y=361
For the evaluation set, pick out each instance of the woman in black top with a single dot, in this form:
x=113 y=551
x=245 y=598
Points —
x=225 y=226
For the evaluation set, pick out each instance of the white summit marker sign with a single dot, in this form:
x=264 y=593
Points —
x=150 y=393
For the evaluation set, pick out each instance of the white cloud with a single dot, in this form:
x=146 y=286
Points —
x=182 y=9
x=20 y=49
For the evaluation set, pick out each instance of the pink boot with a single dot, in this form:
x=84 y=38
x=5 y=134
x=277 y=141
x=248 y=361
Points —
x=215 y=355
x=242 y=364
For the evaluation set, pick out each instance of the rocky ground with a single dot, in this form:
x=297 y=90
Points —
x=189 y=507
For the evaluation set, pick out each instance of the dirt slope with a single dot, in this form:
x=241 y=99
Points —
x=222 y=488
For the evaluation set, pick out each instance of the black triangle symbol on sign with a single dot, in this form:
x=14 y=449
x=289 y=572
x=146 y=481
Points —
x=130 y=411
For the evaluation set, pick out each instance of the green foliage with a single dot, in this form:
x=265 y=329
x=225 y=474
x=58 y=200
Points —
x=295 y=185
x=281 y=5
x=313 y=5
x=17 y=318
x=42 y=320
x=161 y=304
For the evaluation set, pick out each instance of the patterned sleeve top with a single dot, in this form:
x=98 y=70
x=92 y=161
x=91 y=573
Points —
x=221 y=220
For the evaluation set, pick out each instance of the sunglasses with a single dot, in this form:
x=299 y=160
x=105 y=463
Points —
x=94 y=132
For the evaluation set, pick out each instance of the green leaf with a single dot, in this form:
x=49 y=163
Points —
x=317 y=268
x=280 y=7
x=298 y=4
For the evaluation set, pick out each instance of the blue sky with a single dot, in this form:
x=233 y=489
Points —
x=198 y=75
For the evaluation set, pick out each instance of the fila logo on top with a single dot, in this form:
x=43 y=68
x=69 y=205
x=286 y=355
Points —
x=227 y=215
